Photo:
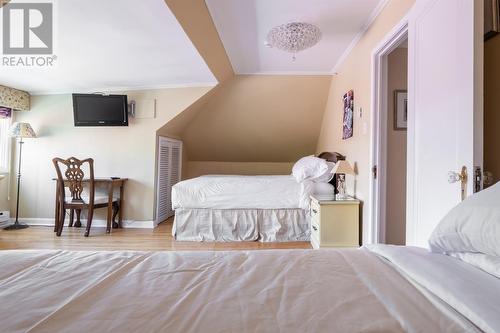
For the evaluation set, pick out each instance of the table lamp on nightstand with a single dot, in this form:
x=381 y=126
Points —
x=341 y=169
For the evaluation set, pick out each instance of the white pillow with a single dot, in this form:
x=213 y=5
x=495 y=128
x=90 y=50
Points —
x=323 y=189
x=309 y=168
x=327 y=176
x=472 y=226
x=487 y=263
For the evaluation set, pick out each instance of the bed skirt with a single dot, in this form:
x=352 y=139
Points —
x=230 y=225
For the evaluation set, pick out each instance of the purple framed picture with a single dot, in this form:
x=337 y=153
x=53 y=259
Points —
x=5 y=112
x=347 y=123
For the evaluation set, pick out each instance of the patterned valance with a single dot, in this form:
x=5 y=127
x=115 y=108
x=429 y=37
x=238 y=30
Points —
x=14 y=99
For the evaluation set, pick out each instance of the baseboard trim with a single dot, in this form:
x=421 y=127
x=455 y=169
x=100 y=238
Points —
x=95 y=223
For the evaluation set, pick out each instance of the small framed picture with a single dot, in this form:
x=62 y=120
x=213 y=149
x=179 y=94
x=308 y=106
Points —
x=400 y=110
x=347 y=122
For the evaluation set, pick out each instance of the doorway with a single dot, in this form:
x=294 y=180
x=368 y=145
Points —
x=389 y=139
x=491 y=114
x=397 y=125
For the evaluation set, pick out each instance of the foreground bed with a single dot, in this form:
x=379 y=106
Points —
x=358 y=290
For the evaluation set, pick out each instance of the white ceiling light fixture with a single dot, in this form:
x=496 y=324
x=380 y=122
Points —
x=293 y=37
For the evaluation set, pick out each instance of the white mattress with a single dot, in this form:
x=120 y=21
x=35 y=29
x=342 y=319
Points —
x=241 y=192
x=256 y=291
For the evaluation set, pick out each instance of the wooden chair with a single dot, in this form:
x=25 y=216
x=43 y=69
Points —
x=75 y=180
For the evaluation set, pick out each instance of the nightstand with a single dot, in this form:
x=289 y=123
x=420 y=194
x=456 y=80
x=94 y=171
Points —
x=334 y=223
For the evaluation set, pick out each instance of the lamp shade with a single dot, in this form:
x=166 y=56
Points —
x=343 y=167
x=22 y=130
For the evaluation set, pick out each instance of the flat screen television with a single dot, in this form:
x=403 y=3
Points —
x=100 y=110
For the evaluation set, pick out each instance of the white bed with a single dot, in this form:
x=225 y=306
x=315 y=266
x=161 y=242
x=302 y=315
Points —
x=381 y=289
x=243 y=208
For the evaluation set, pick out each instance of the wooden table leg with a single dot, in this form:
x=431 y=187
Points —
x=110 y=207
x=120 y=207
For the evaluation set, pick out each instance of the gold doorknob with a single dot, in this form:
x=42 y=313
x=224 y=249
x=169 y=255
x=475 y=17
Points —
x=454 y=177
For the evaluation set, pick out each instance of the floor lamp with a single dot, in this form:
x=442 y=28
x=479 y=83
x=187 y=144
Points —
x=20 y=131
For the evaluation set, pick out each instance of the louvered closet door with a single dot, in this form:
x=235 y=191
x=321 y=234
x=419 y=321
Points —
x=169 y=174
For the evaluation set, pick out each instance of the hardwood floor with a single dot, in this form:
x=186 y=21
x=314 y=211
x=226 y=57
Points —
x=158 y=239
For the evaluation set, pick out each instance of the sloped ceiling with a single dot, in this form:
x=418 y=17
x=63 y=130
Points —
x=259 y=118
x=114 y=45
x=196 y=21
x=246 y=118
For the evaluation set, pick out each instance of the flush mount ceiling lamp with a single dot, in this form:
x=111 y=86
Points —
x=293 y=37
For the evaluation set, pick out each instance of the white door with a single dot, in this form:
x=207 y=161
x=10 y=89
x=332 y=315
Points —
x=445 y=108
x=168 y=174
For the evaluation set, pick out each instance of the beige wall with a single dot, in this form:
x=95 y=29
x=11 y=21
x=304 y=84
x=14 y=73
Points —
x=175 y=127
x=200 y=168
x=492 y=106
x=259 y=118
x=355 y=73
x=397 y=79
x=117 y=151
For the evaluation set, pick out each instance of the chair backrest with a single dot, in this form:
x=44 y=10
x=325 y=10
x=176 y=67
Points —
x=74 y=177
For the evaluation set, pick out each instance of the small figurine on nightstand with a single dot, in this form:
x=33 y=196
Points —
x=341 y=169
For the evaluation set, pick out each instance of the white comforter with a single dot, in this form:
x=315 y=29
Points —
x=258 y=291
x=241 y=192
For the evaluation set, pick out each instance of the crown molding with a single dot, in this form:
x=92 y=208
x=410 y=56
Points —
x=136 y=88
x=288 y=73
x=375 y=13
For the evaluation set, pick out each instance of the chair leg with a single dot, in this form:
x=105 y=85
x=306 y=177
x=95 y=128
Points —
x=71 y=217
x=60 y=224
x=116 y=209
x=78 y=223
x=56 y=217
x=90 y=215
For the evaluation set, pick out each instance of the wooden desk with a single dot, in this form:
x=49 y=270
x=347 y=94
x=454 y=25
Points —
x=111 y=184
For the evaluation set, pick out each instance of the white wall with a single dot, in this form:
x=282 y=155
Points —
x=117 y=151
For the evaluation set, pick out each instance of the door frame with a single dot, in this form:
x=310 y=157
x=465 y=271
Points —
x=159 y=140
x=378 y=151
